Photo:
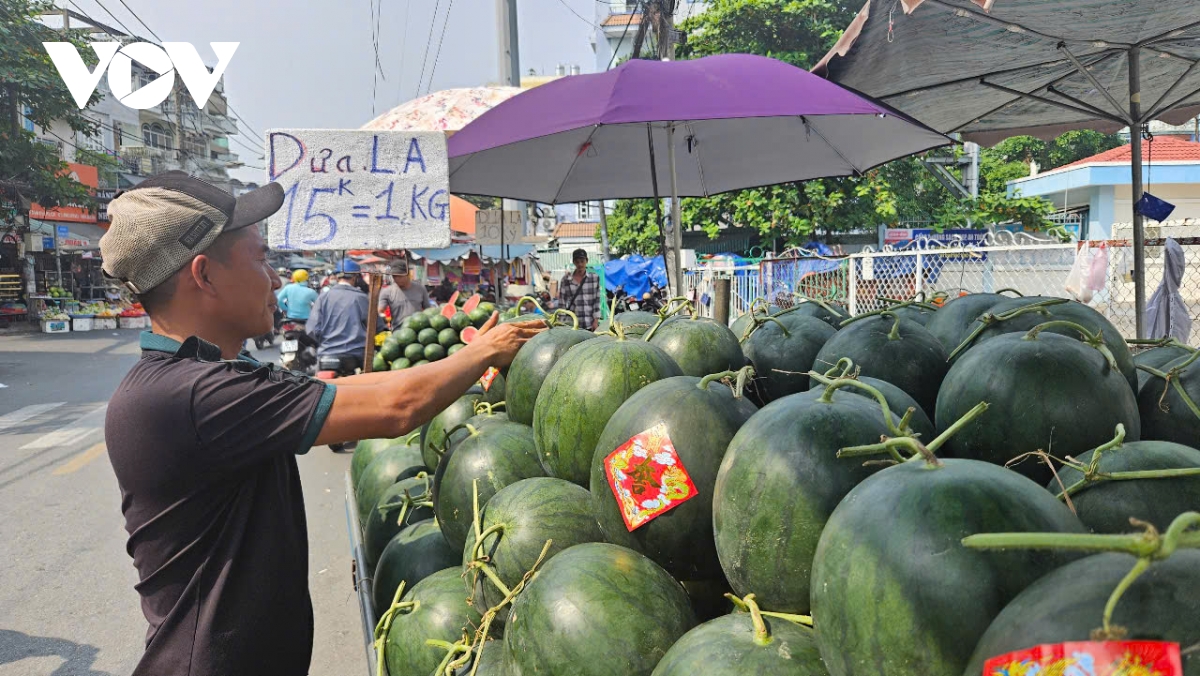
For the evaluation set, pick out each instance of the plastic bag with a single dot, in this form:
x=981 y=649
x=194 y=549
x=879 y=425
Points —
x=1089 y=274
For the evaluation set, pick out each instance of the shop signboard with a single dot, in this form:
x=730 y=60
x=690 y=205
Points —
x=354 y=189
x=71 y=213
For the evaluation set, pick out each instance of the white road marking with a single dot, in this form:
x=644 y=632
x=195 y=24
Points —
x=22 y=414
x=73 y=432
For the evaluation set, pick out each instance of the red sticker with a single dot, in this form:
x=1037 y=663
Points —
x=489 y=376
x=1090 y=658
x=647 y=477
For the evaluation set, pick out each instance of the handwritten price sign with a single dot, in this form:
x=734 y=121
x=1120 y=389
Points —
x=350 y=189
x=492 y=226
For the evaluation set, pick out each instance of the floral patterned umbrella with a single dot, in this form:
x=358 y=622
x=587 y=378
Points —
x=448 y=110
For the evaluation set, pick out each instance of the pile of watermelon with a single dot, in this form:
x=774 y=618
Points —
x=911 y=491
x=431 y=334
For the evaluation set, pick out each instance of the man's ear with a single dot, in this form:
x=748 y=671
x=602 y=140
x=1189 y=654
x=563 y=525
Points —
x=202 y=267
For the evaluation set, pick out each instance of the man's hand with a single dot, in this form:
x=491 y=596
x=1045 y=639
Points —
x=504 y=340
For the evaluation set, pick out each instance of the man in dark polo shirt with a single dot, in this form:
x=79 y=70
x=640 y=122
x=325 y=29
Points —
x=203 y=438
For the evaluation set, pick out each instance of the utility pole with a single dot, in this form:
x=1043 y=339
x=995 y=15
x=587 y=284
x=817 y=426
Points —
x=664 y=20
x=510 y=74
x=604 y=251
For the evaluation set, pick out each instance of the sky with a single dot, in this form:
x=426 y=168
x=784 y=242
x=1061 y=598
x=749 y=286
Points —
x=309 y=64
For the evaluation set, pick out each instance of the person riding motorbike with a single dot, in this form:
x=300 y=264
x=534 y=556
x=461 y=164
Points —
x=339 y=319
x=296 y=299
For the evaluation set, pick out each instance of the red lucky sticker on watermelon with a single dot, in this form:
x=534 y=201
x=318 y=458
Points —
x=488 y=377
x=647 y=477
x=1090 y=658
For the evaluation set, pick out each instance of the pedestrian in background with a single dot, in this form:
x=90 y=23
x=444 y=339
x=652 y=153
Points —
x=579 y=291
x=297 y=298
x=403 y=298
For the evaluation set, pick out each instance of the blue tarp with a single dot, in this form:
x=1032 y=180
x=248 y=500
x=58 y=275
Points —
x=635 y=274
x=816 y=265
x=459 y=251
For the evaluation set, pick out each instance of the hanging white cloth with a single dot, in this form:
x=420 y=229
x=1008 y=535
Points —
x=1166 y=313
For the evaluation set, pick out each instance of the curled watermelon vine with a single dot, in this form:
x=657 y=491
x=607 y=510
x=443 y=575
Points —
x=1171 y=378
x=406 y=501
x=1095 y=340
x=1148 y=546
x=384 y=626
x=738 y=380
x=925 y=452
x=1092 y=474
x=987 y=319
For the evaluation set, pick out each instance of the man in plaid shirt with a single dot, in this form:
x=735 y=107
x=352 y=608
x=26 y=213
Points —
x=579 y=292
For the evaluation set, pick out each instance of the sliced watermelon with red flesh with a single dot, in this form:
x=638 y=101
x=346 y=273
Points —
x=468 y=334
x=471 y=303
x=453 y=299
x=448 y=310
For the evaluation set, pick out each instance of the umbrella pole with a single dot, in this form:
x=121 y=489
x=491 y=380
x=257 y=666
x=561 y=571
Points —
x=662 y=236
x=1135 y=147
x=676 y=217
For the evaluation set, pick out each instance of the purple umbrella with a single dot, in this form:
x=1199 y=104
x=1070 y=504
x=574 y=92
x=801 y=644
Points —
x=734 y=121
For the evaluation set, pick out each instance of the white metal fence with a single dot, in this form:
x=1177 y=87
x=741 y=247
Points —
x=1030 y=265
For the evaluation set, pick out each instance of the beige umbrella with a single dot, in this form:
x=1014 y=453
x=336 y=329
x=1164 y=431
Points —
x=448 y=110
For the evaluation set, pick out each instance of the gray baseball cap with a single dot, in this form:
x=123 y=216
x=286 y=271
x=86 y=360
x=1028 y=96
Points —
x=164 y=222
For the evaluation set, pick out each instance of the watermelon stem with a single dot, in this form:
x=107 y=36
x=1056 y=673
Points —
x=1092 y=474
x=486 y=625
x=987 y=319
x=406 y=501
x=574 y=317
x=1171 y=378
x=749 y=604
x=1159 y=342
x=457 y=654
x=924 y=451
x=805 y=299
x=1148 y=546
x=384 y=626
x=741 y=374
x=1095 y=340
x=895 y=303
x=833 y=385
x=1012 y=290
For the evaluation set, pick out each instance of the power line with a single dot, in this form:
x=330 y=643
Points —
x=572 y=10
x=95 y=23
x=428 y=44
x=438 y=55
x=139 y=20
x=625 y=32
x=403 y=49
x=106 y=11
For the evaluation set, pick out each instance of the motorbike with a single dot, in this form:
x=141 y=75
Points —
x=331 y=367
x=268 y=339
x=298 y=351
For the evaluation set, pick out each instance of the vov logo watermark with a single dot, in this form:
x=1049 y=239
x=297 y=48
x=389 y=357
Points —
x=117 y=61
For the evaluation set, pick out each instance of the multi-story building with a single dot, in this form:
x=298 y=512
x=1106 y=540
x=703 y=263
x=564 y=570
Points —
x=617 y=23
x=176 y=134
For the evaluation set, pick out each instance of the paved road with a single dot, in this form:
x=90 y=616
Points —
x=67 y=604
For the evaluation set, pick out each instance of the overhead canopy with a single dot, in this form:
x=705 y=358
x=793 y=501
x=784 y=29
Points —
x=461 y=251
x=991 y=69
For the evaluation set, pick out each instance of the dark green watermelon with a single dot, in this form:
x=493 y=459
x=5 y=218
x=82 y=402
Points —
x=367 y=450
x=785 y=456
x=830 y=313
x=1165 y=415
x=438 y=613
x=582 y=391
x=490 y=657
x=699 y=422
x=1157 y=358
x=433 y=441
x=1107 y=506
x=398 y=507
x=531 y=366
x=949 y=324
x=893 y=587
x=457 y=435
x=1079 y=313
x=782 y=351
x=596 y=609
x=393 y=464
x=918 y=313
x=634 y=323
x=729 y=646
x=897 y=350
x=898 y=401
x=699 y=346
x=530 y=512
x=413 y=554
x=1163 y=604
x=1049 y=392
x=496 y=455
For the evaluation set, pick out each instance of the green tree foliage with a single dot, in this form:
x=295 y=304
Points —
x=30 y=86
x=800 y=32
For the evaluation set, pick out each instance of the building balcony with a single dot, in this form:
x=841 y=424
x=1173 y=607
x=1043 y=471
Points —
x=219 y=125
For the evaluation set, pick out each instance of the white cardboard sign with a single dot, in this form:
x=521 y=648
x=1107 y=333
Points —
x=487 y=226
x=353 y=189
